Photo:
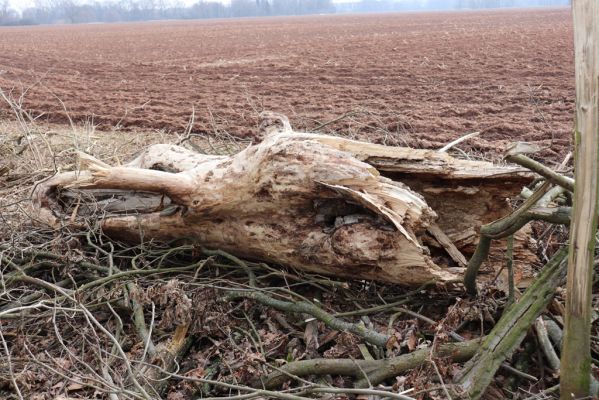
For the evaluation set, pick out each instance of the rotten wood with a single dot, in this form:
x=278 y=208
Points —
x=318 y=203
x=448 y=245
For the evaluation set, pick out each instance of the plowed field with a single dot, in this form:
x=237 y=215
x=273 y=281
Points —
x=416 y=78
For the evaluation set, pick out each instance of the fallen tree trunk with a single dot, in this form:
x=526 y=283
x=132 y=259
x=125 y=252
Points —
x=313 y=202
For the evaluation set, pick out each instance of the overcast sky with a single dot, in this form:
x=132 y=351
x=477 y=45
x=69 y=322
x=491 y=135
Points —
x=21 y=4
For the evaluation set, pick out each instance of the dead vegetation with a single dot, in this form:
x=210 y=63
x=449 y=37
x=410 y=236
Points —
x=83 y=315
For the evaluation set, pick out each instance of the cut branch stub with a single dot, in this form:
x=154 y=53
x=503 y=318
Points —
x=313 y=202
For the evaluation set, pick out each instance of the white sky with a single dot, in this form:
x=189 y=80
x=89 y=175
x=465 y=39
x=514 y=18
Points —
x=22 y=4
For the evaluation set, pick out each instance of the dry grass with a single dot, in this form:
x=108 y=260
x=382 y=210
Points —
x=36 y=152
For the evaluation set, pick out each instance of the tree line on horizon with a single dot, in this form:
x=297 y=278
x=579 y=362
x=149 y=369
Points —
x=82 y=11
x=415 y=5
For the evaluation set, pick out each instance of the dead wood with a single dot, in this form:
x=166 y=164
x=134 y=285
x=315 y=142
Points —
x=510 y=330
x=4 y=169
x=368 y=372
x=359 y=329
x=547 y=173
x=533 y=208
x=318 y=203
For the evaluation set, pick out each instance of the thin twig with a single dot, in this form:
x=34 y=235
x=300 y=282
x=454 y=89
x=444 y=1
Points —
x=459 y=140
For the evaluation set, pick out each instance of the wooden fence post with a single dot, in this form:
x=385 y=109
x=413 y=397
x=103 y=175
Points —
x=576 y=358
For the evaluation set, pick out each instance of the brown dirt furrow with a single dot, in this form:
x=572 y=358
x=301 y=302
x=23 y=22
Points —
x=420 y=79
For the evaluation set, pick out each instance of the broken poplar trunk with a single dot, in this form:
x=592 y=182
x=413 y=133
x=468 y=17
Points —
x=317 y=203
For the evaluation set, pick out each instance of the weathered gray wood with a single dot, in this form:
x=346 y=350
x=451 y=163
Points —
x=576 y=357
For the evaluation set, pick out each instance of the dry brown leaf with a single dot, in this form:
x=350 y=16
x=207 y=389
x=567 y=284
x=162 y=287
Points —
x=412 y=340
x=74 y=387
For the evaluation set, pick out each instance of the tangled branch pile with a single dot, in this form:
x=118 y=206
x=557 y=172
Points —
x=84 y=315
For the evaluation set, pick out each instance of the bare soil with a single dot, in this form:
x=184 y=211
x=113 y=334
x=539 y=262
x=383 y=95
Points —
x=417 y=79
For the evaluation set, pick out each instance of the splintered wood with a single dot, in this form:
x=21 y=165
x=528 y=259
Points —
x=313 y=202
